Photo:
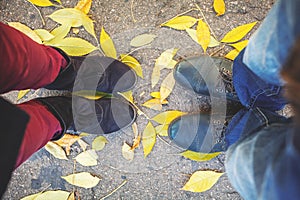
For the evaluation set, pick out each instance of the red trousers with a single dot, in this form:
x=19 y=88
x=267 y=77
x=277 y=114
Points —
x=24 y=64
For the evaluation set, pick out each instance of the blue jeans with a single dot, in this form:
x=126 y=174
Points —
x=262 y=162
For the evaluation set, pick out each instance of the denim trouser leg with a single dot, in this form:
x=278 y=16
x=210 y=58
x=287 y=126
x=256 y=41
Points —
x=257 y=134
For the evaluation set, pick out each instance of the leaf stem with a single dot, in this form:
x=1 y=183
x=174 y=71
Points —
x=212 y=32
x=109 y=194
x=131 y=11
x=39 y=12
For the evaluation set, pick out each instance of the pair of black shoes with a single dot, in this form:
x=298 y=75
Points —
x=92 y=74
x=204 y=132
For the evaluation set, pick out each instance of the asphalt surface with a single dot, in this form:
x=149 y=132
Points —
x=162 y=173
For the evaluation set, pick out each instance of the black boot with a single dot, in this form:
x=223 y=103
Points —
x=102 y=116
x=99 y=73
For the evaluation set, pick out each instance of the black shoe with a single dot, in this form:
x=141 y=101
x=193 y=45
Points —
x=200 y=72
x=103 y=74
x=199 y=132
x=102 y=116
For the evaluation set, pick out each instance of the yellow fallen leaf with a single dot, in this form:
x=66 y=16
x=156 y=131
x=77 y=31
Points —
x=165 y=60
x=128 y=96
x=75 y=46
x=84 y=5
x=238 y=33
x=42 y=3
x=135 y=129
x=72 y=196
x=87 y=158
x=56 y=150
x=232 y=54
x=127 y=152
x=59 y=33
x=133 y=63
x=58 y=1
x=155 y=95
x=154 y=104
x=26 y=30
x=192 y=33
x=203 y=34
x=76 y=30
x=31 y=197
x=142 y=40
x=200 y=157
x=148 y=138
x=219 y=7
x=82 y=144
x=91 y=94
x=82 y=179
x=136 y=142
x=67 y=141
x=99 y=143
x=22 y=93
x=167 y=117
x=162 y=130
x=50 y=195
x=69 y=16
x=155 y=76
x=44 y=34
x=240 y=45
x=181 y=22
x=167 y=86
x=202 y=181
x=107 y=44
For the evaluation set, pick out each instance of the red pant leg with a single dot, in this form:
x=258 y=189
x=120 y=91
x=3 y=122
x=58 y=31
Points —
x=25 y=64
x=40 y=129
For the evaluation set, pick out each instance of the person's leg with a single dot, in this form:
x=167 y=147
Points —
x=26 y=64
x=41 y=128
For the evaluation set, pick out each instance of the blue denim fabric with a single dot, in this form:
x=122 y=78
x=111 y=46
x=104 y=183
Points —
x=262 y=162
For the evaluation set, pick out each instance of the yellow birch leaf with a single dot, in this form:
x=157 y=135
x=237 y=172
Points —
x=75 y=46
x=142 y=40
x=148 y=138
x=240 y=45
x=107 y=44
x=91 y=94
x=69 y=16
x=155 y=95
x=238 y=33
x=154 y=104
x=165 y=60
x=50 y=195
x=192 y=33
x=22 y=93
x=128 y=96
x=136 y=142
x=162 y=129
x=167 y=117
x=67 y=141
x=82 y=179
x=31 y=197
x=203 y=34
x=41 y=3
x=133 y=63
x=200 y=157
x=219 y=7
x=44 y=34
x=87 y=158
x=155 y=76
x=127 y=152
x=89 y=26
x=99 y=143
x=82 y=144
x=167 y=86
x=56 y=150
x=59 y=33
x=26 y=30
x=232 y=54
x=181 y=22
x=72 y=196
x=202 y=181
x=84 y=5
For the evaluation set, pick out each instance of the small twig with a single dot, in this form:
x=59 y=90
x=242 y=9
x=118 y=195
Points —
x=218 y=50
x=131 y=11
x=212 y=32
x=192 y=9
x=109 y=194
x=43 y=21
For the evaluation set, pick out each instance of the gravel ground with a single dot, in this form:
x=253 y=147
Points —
x=163 y=173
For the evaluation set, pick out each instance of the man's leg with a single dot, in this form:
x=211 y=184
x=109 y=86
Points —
x=26 y=64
